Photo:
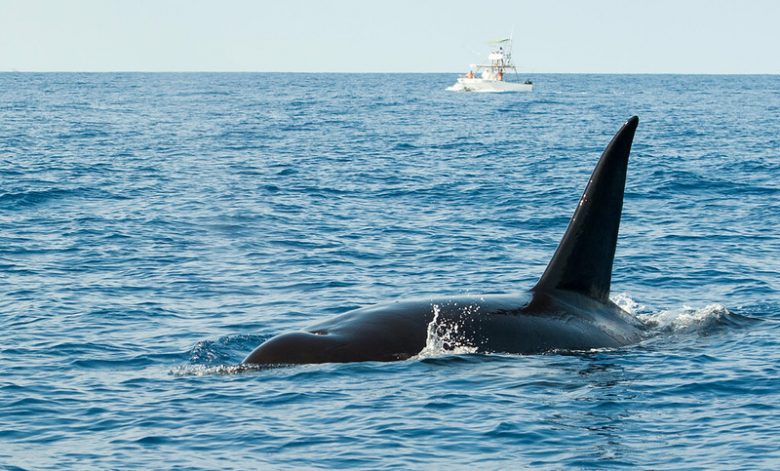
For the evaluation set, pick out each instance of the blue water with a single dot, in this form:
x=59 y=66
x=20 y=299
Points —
x=155 y=228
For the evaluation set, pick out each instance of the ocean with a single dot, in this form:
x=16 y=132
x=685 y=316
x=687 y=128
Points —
x=155 y=228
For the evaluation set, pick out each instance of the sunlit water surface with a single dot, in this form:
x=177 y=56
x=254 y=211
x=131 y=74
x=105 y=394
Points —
x=155 y=228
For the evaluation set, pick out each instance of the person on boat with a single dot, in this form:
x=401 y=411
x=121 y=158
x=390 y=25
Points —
x=500 y=76
x=470 y=74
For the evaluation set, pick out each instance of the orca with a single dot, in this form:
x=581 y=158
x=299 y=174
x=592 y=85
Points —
x=567 y=310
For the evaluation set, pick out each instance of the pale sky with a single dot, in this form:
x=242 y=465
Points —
x=598 y=36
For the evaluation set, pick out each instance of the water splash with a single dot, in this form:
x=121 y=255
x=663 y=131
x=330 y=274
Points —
x=445 y=338
x=683 y=320
x=203 y=370
x=690 y=320
x=626 y=303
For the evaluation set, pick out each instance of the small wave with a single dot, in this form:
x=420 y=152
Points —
x=287 y=171
x=33 y=197
x=225 y=350
x=218 y=357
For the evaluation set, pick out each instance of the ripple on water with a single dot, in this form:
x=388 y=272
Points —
x=155 y=228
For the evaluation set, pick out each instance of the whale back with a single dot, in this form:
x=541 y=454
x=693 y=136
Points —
x=582 y=263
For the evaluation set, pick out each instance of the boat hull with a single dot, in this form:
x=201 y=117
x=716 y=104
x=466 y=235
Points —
x=487 y=85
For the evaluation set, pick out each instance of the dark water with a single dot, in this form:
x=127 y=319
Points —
x=154 y=228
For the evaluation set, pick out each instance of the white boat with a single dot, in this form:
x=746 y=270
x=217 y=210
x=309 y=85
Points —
x=495 y=76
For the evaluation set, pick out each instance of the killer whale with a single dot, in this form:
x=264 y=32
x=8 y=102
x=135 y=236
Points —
x=567 y=310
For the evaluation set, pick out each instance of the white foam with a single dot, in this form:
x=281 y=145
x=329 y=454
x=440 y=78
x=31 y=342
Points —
x=688 y=319
x=685 y=319
x=203 y=370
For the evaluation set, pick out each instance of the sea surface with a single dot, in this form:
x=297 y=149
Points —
x=155 y=228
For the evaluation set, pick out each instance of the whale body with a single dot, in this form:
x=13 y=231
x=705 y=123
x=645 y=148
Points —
x=567 y=310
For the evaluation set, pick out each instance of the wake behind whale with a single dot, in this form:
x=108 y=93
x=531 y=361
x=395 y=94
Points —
x=568 y=308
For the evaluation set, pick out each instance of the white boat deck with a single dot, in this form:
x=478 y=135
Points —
x=495 y=76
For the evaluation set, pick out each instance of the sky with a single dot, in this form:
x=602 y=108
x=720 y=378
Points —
x=550 y=36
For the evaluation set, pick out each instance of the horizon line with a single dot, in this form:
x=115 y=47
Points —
x=197 y=71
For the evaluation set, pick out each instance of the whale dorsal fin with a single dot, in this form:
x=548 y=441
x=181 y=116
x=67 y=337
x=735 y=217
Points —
x=583 y=260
